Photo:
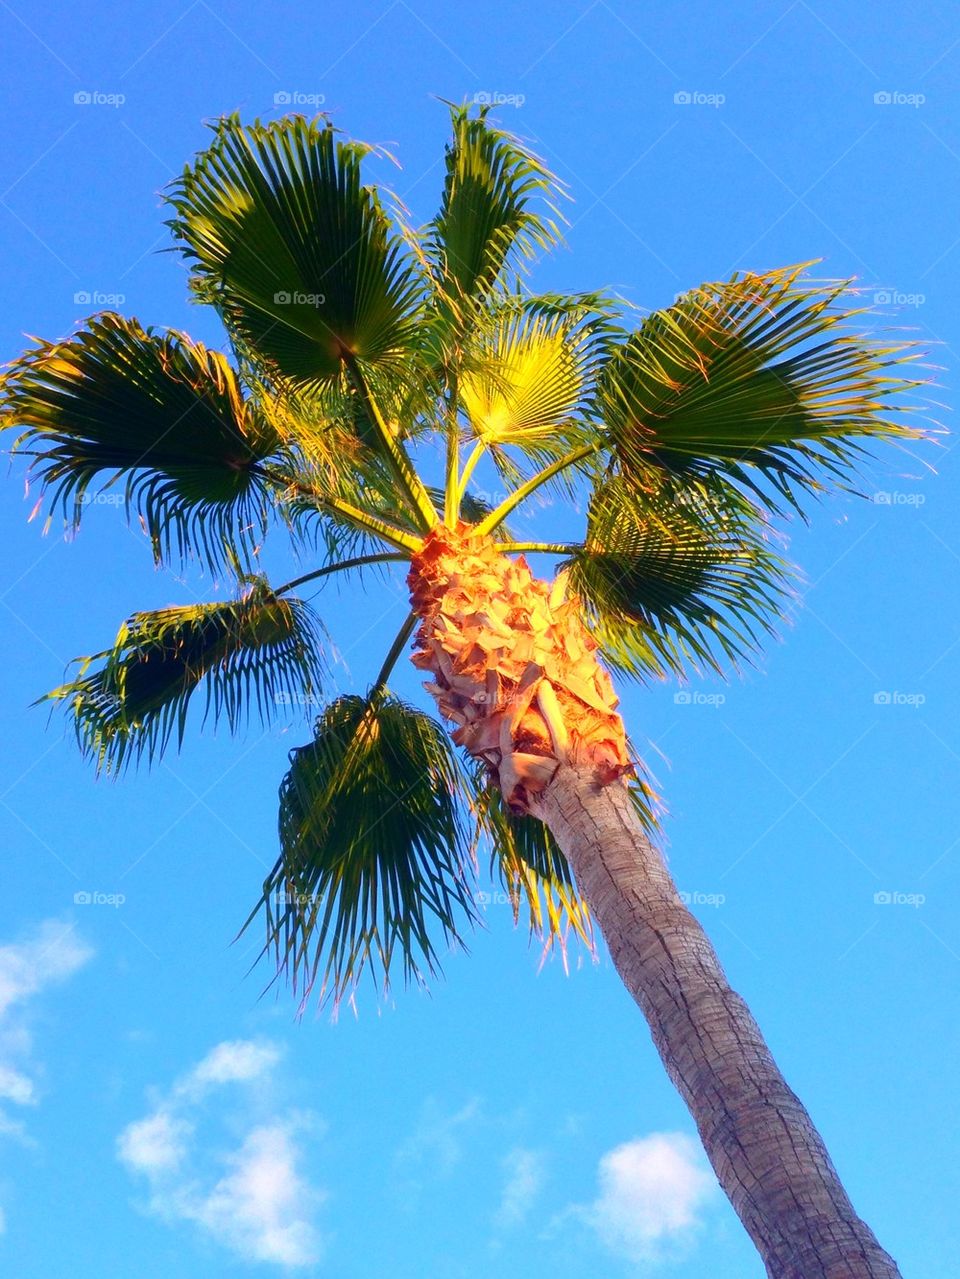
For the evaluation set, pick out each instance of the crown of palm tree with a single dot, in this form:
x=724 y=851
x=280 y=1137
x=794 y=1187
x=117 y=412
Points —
x=355 y=339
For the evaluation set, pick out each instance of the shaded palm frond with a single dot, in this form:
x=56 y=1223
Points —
x=259 y=653
x=297 y=255
x=157 y=409
x=375 y=868
x=678 y=579
x=764 y=378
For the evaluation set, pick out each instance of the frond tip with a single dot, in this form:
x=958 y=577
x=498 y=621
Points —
x=261 y=652
x=375 y=865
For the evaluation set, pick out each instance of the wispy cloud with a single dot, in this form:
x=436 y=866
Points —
x=48 y=954
x=51 y=953
x=252 y=1199
x=651 y=1193
x=434 y=1149
x=523 y=1180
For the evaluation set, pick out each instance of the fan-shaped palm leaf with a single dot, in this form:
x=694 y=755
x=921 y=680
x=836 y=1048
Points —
x=497 y=207
x=294 y=251
x=678 y=578
x=262 y=652
x=761 y=377
x=375 y=864
x=165 y=412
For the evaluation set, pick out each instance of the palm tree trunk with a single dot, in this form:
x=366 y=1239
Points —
x=513 y=665
x=767 y=1155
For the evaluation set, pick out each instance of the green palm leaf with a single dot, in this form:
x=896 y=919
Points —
x=297 y=255
x=497 y=208
x=763 y=378
x=526 y=860
x=375 y=861
x=683 y=577
x=260 y=652
x=162 y=411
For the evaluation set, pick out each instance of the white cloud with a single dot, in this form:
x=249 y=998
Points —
x=49 y=954
x=156 y=1144
x=523 y=1181
x=261 y=1207
x=650 y=1196
x=234 y=1061
x=16 y=1087
x=257 y=1209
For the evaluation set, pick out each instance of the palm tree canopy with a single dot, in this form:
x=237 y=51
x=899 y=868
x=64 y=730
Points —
x=357 y=340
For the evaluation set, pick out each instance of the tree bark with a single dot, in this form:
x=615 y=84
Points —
x=513 y=665
x=767 y=1155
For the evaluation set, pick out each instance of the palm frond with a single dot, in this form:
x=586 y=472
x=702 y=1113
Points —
x=297 y=255
x=497 y=208
x=375 y=868
x=260 y=653
x=764 y=378
x=526 y=860
x=682 y=578
x=163 y=412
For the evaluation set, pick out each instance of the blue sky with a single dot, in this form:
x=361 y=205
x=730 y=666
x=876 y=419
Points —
x=161 y=1114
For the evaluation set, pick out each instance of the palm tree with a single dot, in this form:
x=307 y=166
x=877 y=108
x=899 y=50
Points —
x=361 y=350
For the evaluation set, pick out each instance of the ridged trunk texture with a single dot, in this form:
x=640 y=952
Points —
x=513 y=666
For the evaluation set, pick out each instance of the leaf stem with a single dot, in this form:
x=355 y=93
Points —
x=500 y=513
x=341 y=567
x=396 y=648
x=399 y=462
